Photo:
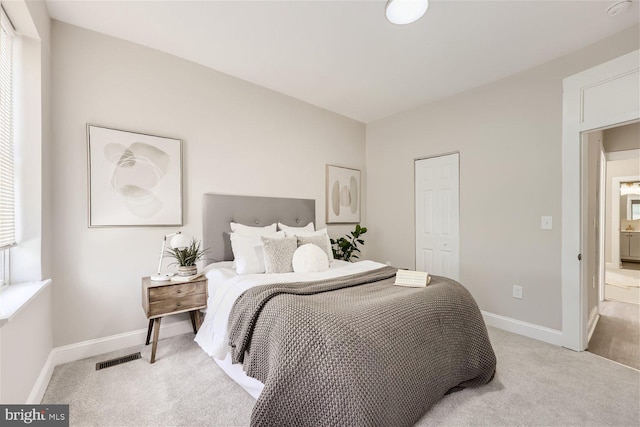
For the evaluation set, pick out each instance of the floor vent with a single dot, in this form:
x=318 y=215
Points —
x=117 y=361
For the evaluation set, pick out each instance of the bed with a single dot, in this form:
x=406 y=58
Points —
x=338 y=347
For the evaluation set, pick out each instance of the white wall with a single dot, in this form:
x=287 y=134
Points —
x=622 y=138
x=238 y=138
x=509 y=135
x=26 y=341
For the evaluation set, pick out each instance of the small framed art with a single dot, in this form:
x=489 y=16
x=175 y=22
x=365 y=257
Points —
x=343 y=195
x=135 y=180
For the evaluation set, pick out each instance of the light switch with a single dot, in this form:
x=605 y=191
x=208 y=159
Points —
x=546 y=223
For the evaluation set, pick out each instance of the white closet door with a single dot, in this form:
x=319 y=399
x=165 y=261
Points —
x=437 y=215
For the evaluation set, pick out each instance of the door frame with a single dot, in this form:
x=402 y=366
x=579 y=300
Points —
x=415 y=218
x=584 y=94
x=588 y=223
x=602 y=225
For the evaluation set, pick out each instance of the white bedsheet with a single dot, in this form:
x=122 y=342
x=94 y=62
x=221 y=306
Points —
x=225 y=286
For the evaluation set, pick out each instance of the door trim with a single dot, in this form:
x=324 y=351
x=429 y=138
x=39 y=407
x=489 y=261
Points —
x=580 y=97
x=433 y=157
x=602 y=225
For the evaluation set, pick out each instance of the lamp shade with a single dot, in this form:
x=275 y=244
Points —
x=180 y=241
x=405 y=11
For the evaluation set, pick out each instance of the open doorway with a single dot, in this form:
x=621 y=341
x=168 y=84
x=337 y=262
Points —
x=598 y=98
x=611 y=162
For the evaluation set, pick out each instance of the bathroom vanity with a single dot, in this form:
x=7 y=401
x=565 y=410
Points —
x=630 y=245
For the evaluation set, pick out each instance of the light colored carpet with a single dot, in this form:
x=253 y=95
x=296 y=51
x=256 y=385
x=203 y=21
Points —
x=536 y=384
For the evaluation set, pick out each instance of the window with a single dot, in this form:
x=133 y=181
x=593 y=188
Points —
x=7 y=187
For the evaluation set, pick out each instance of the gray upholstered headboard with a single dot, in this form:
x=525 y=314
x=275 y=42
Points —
x=220 y=209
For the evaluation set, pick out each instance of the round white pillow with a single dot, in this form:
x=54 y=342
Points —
x=310 y=258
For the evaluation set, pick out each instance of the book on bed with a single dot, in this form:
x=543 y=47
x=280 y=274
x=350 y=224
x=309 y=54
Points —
x=412 y=279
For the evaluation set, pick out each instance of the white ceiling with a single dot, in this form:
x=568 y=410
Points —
x=343 y=55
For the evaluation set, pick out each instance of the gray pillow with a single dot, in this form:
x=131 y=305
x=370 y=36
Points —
x=278 y=254
x=321 y=241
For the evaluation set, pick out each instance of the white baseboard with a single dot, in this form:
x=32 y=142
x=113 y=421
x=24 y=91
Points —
x=540 y=333
x=84 y=349
x=42 y=382
x=89 y=348
x=593 y=321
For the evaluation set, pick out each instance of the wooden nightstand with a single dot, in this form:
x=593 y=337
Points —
x=164 y=298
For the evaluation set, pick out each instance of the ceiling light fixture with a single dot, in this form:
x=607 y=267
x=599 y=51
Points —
x=402 y=12
x=627 y=188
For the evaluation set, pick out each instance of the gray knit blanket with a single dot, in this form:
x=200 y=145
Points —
x=358 y=351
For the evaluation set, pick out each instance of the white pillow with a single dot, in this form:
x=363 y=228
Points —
x=309 y=258
x=248 y=231
x=306 y=229
x=248 y=252
x=323 y=233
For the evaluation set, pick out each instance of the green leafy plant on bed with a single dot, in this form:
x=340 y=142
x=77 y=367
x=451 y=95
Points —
x=346 y=248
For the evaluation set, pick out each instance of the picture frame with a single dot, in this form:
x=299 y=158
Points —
x=134 y=179
x=343 y=198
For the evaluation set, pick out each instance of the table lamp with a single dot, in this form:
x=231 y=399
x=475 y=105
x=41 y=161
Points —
x=177 y=236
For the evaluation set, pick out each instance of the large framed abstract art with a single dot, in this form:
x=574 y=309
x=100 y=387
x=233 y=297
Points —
x=343 y=195
x=135 y=180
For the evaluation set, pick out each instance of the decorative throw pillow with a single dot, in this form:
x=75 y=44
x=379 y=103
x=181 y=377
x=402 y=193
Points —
x=309 y=258
x=248 y=252
x=294 y=230
x=320 y=238
x=248 y=231
x=278 y=254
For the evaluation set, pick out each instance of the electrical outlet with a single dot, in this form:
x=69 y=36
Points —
x=546 y=223
x=593 y=282
x=517 y=291
x=388 y=262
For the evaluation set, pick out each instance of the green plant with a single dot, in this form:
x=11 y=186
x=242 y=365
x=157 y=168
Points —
x=345 y=248
x=188 y=255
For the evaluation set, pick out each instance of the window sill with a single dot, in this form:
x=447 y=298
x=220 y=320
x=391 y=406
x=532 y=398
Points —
x=14 y=298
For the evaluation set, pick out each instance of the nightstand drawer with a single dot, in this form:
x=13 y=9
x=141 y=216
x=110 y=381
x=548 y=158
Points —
x=186 y=303
x=176 y=291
